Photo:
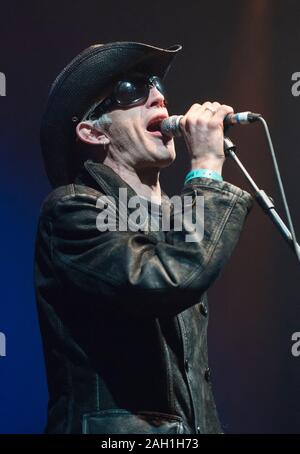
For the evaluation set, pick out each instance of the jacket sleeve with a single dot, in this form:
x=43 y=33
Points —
x=134 y=270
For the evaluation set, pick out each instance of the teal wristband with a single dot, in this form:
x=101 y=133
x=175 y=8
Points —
x=203 y=173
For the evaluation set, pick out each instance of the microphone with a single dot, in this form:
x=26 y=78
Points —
x=171 y=126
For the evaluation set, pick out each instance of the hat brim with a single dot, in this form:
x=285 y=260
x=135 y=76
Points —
x=75 y=89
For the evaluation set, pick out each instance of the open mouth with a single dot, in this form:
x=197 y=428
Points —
x=153 y=126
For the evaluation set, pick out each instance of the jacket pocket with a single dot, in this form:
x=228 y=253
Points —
x=124 y=422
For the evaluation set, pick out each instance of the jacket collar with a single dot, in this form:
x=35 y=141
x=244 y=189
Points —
x=105 y=178
x=98 y=175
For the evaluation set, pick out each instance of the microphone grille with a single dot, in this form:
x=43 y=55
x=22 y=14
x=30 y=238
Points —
x=170 y=126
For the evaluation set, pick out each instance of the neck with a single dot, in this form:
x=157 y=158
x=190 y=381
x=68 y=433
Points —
x=145 y=182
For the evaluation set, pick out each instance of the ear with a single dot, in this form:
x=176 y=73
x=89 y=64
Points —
x=87 y=133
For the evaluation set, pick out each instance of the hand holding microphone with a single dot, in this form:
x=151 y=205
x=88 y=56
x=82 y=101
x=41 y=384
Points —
x=171 y=125
x=203 y=130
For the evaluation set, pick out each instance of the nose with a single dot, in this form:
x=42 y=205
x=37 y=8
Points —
x=156 y=98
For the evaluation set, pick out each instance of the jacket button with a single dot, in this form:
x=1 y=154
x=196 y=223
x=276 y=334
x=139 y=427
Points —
x=203 y=309
x=207 y=374
x=186 y=365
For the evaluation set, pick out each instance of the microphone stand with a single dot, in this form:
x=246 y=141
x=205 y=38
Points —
x=263 y=199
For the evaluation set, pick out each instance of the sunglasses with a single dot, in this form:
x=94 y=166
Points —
x=131 y=91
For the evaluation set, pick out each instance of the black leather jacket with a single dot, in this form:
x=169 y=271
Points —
x=124 y=315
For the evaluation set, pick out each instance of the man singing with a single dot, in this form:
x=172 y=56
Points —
x=123 y=311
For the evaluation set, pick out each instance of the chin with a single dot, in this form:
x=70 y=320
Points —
x=167 y=161
x=162 y=158
x=166 y=154
x=159 y=154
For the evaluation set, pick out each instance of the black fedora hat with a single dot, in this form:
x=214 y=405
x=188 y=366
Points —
x=77 y=87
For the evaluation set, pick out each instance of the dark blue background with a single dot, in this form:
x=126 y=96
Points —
x=241 y=53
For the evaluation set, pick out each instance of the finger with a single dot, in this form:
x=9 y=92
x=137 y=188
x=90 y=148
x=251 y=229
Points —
x=211 y=108
x=208 y=107
x=191 y=115
x=200 y=112
x=220 y=114
x=196 y=108
x=216 y=105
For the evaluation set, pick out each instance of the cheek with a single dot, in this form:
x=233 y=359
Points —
x=136 y=134
x=125 y=132
x=122 y=135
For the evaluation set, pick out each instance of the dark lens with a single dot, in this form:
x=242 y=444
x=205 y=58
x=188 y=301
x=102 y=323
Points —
x=158 y=83
x=130 y=92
